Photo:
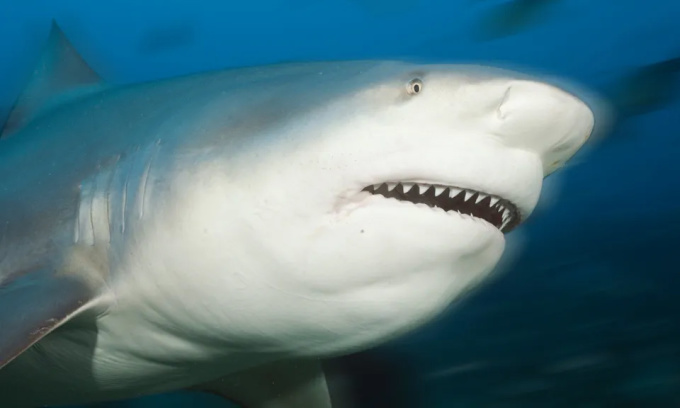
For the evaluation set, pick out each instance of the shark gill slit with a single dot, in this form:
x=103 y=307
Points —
x=93 y=208
x=145 y=178
x=142 y=190
x=123 y=206
x=83 y=223
x=110 y=196
x=92 y=214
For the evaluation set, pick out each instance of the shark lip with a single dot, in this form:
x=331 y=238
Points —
x=495 y=210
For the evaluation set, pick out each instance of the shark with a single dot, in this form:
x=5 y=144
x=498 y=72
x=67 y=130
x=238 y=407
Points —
x=227 y=231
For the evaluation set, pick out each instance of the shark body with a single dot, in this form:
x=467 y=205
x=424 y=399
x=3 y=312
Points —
x=225 y=231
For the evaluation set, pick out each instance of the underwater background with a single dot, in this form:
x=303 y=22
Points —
x=585 y=309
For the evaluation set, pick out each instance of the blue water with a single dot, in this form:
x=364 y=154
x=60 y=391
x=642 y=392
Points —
x=586 y=314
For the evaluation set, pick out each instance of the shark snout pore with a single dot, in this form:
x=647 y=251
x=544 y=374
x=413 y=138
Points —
x=544 y=119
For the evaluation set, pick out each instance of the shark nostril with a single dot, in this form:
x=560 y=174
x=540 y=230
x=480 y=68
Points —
x=500 y=112
x=540 y=118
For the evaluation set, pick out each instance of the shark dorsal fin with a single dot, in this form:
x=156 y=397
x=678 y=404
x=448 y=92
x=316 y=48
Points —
x=59 y=69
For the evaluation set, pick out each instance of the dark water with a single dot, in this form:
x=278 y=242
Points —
x=587 y=312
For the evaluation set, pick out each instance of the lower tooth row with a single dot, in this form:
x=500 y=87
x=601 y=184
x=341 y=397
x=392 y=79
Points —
x=506 y=214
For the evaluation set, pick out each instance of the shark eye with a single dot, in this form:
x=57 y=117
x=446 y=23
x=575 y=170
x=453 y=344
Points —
x=415 y=86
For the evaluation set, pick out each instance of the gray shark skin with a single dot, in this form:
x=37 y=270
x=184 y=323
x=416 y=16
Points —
x=225 y=231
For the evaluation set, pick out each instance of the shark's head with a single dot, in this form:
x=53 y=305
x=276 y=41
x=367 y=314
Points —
x=371 y=197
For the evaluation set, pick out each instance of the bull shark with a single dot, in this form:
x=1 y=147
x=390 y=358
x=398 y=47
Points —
x=227 y=231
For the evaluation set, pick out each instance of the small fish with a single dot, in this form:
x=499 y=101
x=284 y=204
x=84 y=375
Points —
x=163 y=39
x=511 y=18
x=648 y=88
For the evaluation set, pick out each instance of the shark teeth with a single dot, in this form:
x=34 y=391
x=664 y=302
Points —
x=497 y=211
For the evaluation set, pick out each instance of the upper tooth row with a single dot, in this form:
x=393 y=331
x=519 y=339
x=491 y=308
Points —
x=438 y=190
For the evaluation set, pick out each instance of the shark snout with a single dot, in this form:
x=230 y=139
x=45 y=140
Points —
x=544 y=119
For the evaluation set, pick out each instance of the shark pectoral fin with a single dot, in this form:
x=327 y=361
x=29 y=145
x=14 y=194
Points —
x=286 y=384
x=34 y=304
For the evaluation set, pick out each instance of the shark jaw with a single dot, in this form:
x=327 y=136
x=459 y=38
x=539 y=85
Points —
x=497 y=211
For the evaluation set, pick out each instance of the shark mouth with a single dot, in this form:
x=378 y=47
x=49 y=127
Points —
x=497 y=211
